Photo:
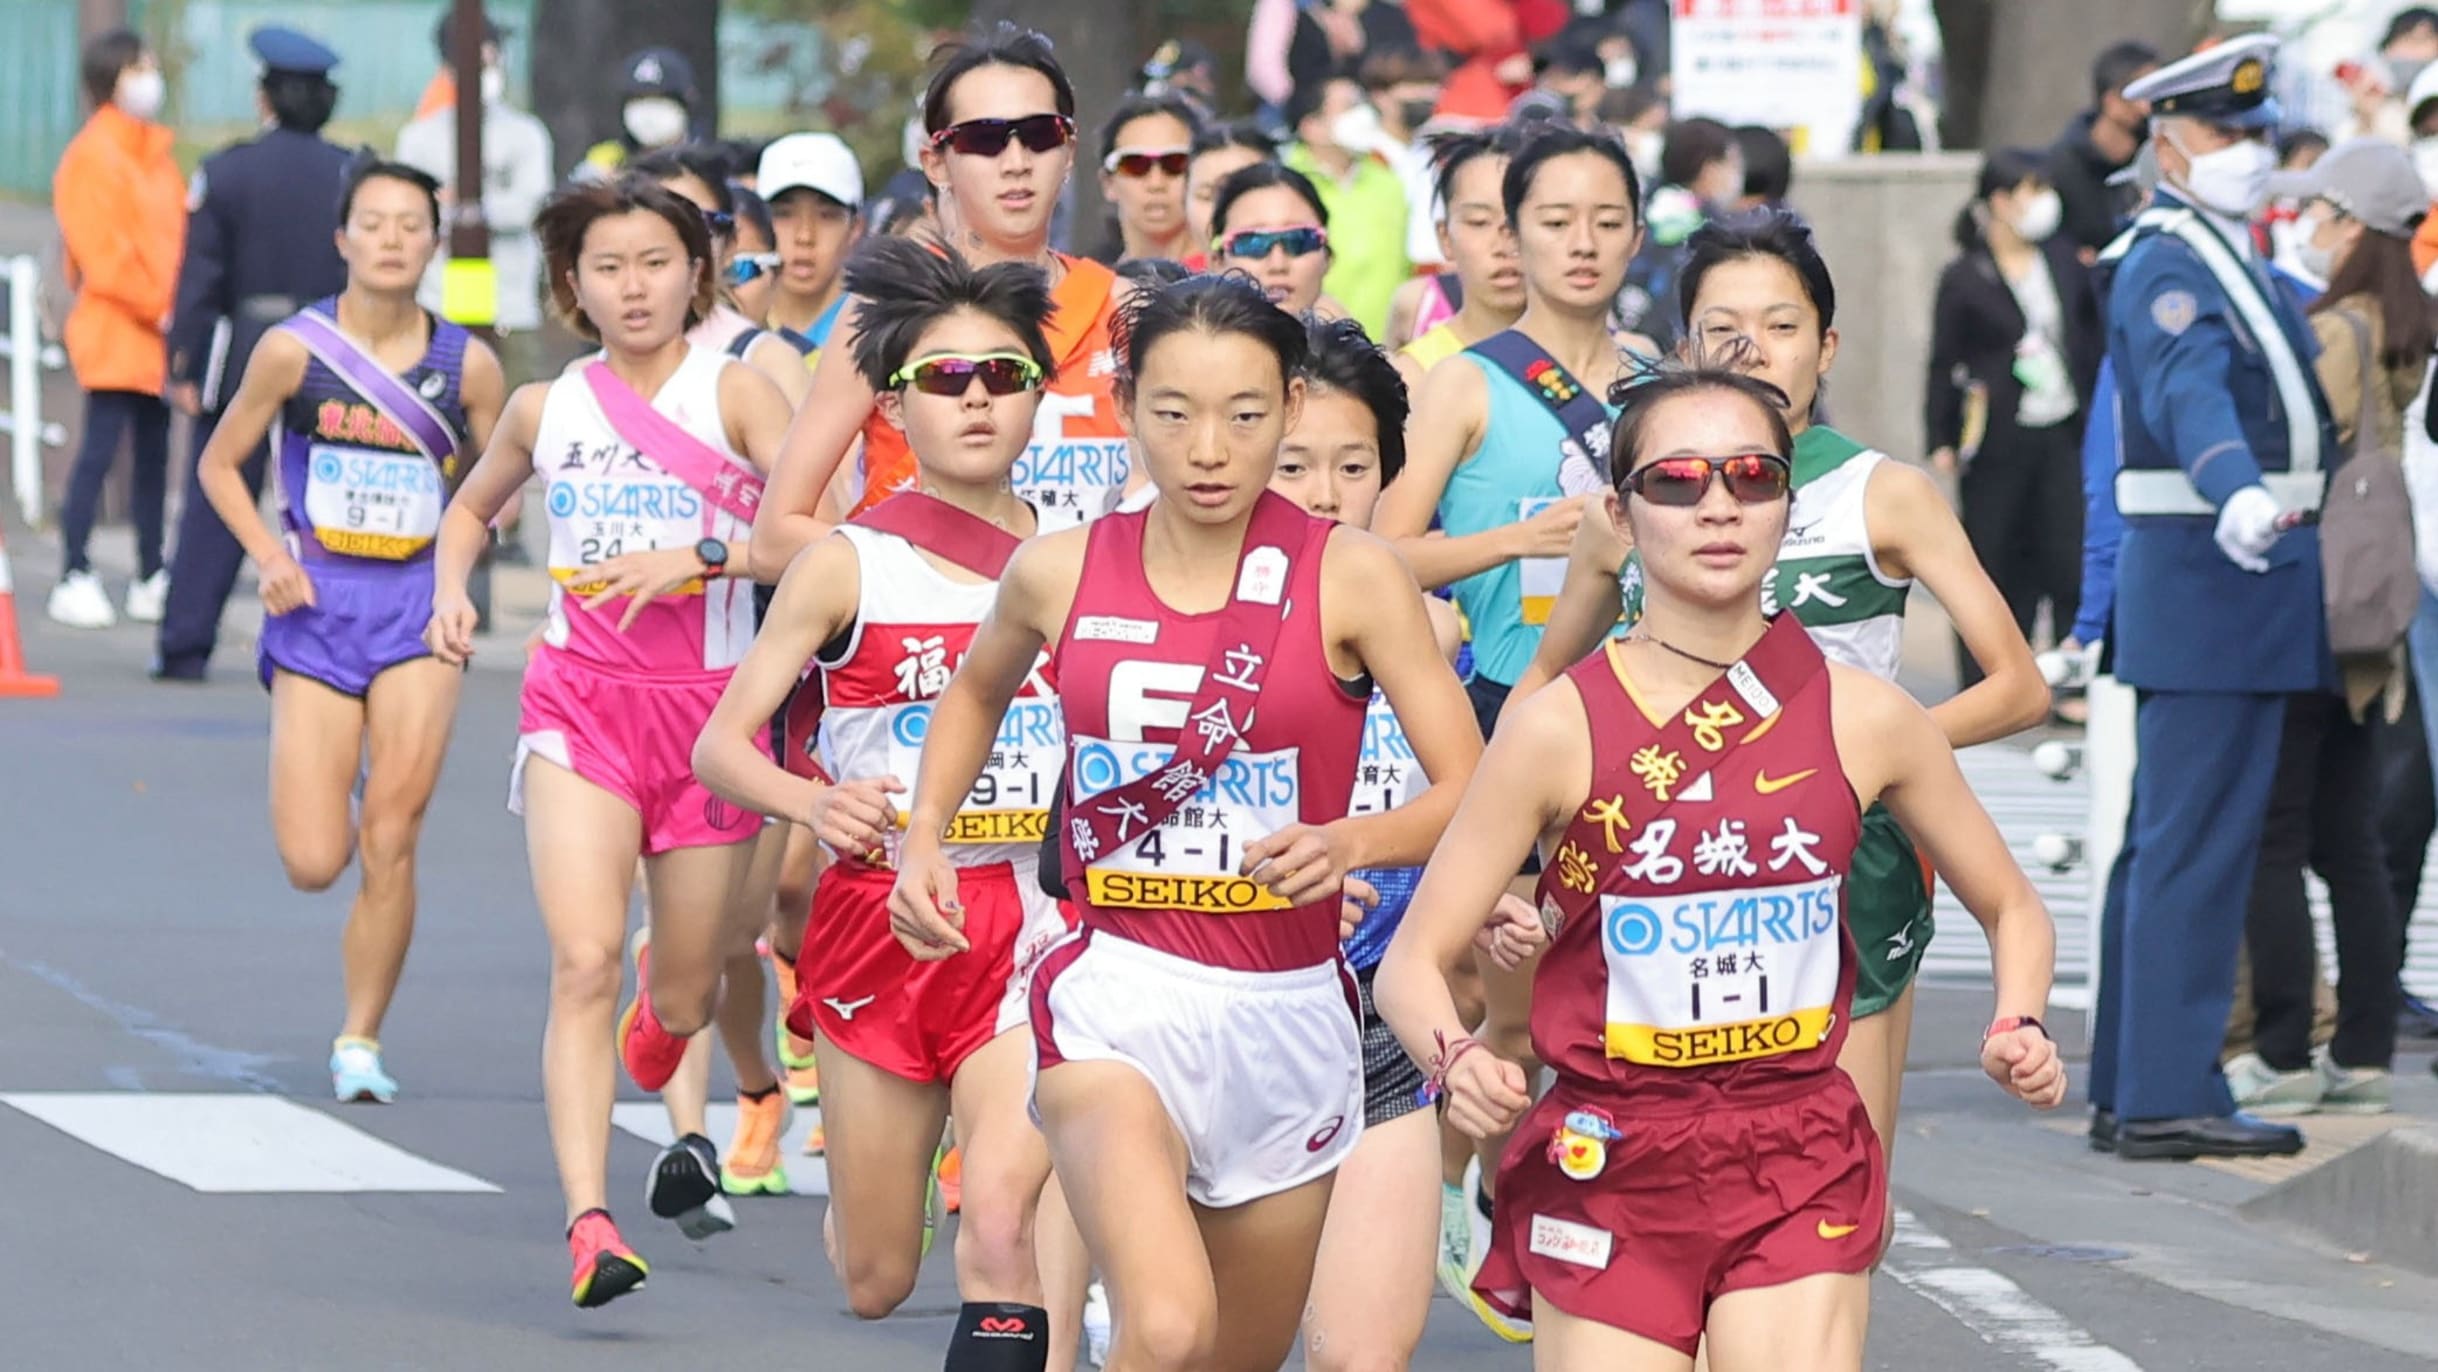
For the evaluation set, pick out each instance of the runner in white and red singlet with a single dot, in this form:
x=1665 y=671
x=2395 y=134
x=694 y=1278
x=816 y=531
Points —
x=1199 y=1073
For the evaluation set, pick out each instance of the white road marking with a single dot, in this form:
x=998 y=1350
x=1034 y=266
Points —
x=648 y=1121
x=243 y=1143
x=2003 y=1314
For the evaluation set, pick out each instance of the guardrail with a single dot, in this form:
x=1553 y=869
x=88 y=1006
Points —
x=27 y=355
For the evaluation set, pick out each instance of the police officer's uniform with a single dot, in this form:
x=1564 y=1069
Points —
x=2218 y=397
x=261 y=222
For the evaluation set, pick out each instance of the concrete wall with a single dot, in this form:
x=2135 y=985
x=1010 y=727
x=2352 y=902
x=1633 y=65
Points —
x=1882 y=223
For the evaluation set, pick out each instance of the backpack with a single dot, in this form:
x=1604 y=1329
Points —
x=2366 y=532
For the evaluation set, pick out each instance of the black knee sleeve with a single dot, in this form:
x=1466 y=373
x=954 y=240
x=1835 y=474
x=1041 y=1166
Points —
x=995 y=1336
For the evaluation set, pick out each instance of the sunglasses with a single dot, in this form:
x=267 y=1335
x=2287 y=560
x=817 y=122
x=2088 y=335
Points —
x=951 y=374
x=1752 y=478
x=1137 y=163
x=749 y=267
x=1255 y=244
x=990 y=137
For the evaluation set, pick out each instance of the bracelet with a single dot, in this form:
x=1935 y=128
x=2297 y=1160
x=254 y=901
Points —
x=2008 y=1024
x=1444 y=1060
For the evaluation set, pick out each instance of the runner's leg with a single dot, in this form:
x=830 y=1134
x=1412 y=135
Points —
x=1567 y=1343
x=1066 y=1274
x=696 y=927
x=1261 y=1256
x=1816 y=1323
x=883 y=1132
x=1371 y=1289
x=1006 y=1163
x=743 y=1002
x=407 y=712
x=317 y=741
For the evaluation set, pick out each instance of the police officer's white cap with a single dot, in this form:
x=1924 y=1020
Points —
x=2227 y=85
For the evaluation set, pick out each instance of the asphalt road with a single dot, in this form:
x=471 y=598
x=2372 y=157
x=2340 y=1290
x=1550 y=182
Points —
x=166 y=999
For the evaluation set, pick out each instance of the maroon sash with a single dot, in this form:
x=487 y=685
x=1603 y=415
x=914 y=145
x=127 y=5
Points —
x=1641 y=768
x=1222 y=710
x=944 y=531
x=665 y=441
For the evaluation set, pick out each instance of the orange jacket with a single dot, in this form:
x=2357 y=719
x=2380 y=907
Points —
x=121 y=203
x=2425 y=243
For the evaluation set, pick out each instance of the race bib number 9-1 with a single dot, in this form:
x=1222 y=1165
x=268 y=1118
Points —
x=1720 y=976
x=363 y=502
x=1010 y=800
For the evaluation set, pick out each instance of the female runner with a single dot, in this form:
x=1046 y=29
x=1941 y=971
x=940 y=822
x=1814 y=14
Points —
x=1001 y=117
x=1145 y=148
x=1219 y=152
x=1479 y=244
x=377 y=403
x=1696 y=786
x=1864 y=528
x=1199 y=1073
x=1268 y=222
x=651 y=453
x=694 y=172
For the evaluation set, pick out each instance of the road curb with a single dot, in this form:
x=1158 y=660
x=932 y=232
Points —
x=2380 y=1198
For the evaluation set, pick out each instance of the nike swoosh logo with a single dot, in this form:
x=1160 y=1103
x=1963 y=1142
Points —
x=1762 y=782
x=1836 y=1231
x=846 y=1008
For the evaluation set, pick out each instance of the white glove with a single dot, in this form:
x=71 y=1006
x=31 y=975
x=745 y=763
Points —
x=2247 y=528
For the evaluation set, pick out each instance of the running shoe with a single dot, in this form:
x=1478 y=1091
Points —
x=948 y=1167
x=2351 y=1090
x=752 y=1167
x=1096 y=1325
x=2262 y=1090
x=795 y=1054
x=356 y=1075
x=931 y=1207
x=684 y=1186
x=147 y=598
x=816 y=1140
x=605 y=1267
x=1458 y=1278
x=651 y=1053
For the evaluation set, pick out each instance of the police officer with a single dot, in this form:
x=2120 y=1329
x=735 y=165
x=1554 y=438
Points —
x=261 y=243
x=2218 y=612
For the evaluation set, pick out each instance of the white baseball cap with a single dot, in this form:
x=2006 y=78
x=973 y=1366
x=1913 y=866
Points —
x=811 y=161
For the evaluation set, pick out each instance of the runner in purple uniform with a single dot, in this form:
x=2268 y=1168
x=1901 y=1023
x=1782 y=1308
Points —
x=379 y=407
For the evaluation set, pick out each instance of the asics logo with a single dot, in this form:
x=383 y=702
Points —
x=845 y=1009
x=1768 y=785
x=1321 y=1138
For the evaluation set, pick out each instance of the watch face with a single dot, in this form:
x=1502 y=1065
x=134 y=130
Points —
x=713 y=552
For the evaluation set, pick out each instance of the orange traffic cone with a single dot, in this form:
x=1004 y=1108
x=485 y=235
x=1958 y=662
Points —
x=15 y=682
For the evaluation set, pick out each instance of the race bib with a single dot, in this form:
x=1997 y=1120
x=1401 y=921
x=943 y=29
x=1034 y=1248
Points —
x=1010 y=800
x=1387 y=776
x=1539 y=577
x=1722 y=976
x=363 y=502
x=594 y=520
x=1069 y=480
x=1189 y=861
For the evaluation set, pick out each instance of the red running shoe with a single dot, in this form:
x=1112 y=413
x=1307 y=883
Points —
x=605 y=1267
x=651 y=1053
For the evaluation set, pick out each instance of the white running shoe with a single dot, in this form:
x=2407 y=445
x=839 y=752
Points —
x=2262 y=1090
x=1096 y=1325
x=147 y=598
x=79 y=602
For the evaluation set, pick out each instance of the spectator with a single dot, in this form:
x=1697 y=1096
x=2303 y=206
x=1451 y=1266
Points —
x=2273 y=231
x=1638 y=115
x=1769 y=168
x=1701 y=174
x=1268 y=34
x=2014 y=348
x=518 y=171
x=1332 y=37
x=2411 y=44
x=2097 y=144
x=660 y=105
x=1219 y=153
x=1403 y=85
x=1570 y=68
x=2373 y=107
x=1364 y=197
x=1145 y=149
x=1488 y=41
x=1188 y=71
x=2421 y=108
x=121 y=204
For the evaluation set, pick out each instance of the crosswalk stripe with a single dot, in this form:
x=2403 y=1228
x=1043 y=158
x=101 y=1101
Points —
x=239 y=1143
x=648 y=1121
x=2003 y=1314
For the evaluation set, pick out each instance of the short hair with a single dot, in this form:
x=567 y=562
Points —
x=1001 y=45
x=1452 y=152
x=107 y=56
x=299 y=101
x=2298 y=141
x=1572 y=51
x=2116 y=65
x=2002 y=169
x=2408 y=21
x=701 y=161
x=1545 y=142
x=1343 y=358
x=1757 y=233
x=366 y=167
x=1308 y=97
x=1397 y=65
x=1140 y=106
x=1692 y=145
x=1260 y=176
x=902 y=287
x=569 y=215
x=1769 y=165
x=1232 y=303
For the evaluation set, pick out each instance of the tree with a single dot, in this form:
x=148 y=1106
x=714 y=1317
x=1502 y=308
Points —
x=2016 y=70
x=576 y=87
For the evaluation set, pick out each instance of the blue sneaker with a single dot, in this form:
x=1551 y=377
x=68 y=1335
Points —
x=356 y=1075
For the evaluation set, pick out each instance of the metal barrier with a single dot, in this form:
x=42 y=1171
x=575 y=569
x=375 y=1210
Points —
x=27 y=354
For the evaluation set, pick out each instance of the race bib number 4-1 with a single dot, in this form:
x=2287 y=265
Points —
x=1539 y=577
x=1010 y=800
x=1720 y=976
x=366 y=503
x=1188 y=862
x=596 y=520
x=1069 y=480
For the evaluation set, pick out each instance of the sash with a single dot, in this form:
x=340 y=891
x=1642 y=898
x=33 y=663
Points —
x=1578 y=411
x=944 y=531
x=1222 y=709
x=680 y=454
x=1652 y=765
x=397 y=403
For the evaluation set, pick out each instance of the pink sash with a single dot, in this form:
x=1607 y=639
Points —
x=682 y=455
x=943 y=530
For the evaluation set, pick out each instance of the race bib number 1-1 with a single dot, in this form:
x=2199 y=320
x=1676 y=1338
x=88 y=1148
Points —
x=1720 y=976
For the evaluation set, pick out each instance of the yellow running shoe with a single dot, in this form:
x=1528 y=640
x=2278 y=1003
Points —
x=816 y=1142
x=752 y=1165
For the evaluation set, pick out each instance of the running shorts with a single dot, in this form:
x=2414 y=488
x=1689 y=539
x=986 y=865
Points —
x=1392 y=1084
x=363 y=622
x=1261 y=1072
x=1489 y=697
x=1887 y=905
x=633 y=737
x=860 y=988
x=1687 y=1207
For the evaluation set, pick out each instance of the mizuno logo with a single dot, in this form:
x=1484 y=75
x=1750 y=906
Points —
x=845 y=1009
x=1770 y=786
x=1836 y=1231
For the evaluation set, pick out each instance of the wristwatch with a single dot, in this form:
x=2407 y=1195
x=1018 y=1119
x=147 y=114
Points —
x=714 y=555
x=2009 y=1023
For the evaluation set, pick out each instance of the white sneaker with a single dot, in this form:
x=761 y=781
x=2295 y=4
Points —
x=2262 y=1090
x=146 y=598
x=79 y=602
x=2351 y=1090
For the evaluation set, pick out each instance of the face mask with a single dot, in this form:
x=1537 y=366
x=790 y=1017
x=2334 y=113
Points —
x=2405 y=69
x=2311 y=257
x=1417 y=111
x=2233 y=180
x=494 y=85
x=1643 y=147
x=2425 y=161
x=1357 y=130
x=655 y=121
x=2037 y=217
x=1619 y=72
x=140 y=93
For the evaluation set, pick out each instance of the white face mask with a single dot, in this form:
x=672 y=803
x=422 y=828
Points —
x=140 y=93
x=494 y=85
x=655 y=121
x=2038 y=215
x=2425 y=161
x=1357 y=130
x=2234 y=180
x=1619 y=72
x=1644 y=148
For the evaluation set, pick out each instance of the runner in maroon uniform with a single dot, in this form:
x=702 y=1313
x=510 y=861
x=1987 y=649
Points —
x=1701 y=1165
x=1199 y=1073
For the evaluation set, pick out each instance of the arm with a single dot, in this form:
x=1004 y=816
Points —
x=465 y=526
x=2102 y=527
x=2340 y=371
x=1443 y=432
x=483 y=388
x=1589 y=602
x=1266 y=41
x=1402 y=307
x=1942 y=397
x=758 y=416
x=779 y=361
x=814 y=603
x=202 y=297
x=2178 y=349
x=1924 y=540
x=825 y=428
x=100 y=230
x=271 y=376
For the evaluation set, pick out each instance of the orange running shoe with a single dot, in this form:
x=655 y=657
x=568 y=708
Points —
x=752 y=1167
x=795 y=1054
x=605 y=1267
x=650 y=1052
x=949 y=1167
x=817 y=1142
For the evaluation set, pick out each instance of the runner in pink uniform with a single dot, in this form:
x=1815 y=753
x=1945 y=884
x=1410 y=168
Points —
x=651 y=453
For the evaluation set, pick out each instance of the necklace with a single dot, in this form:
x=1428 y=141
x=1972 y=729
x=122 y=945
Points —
x=1689 y=657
